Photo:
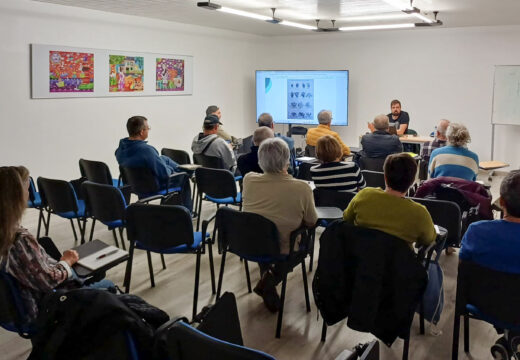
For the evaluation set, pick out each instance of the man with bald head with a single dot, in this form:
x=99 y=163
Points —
x=380 y=143
x=439 y=141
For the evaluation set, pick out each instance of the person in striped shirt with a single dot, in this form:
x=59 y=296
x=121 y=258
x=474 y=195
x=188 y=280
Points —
x=332 y=173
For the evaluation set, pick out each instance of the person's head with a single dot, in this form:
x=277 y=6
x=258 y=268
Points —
x=457 y=135
x=14 y=182
x=261 y=134
x=381 y=122
x=137 y=127
x=400 y=170
x=273 y=156
x=265 y=119
x=214 y=110
x=441 y=129
x=328 y=149
x=325 y=117
x=210 y=124
x=395 y=107
x=510 y=194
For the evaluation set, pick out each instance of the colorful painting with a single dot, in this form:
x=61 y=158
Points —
x=126 y=73
x=169 y=74
x=71 y=72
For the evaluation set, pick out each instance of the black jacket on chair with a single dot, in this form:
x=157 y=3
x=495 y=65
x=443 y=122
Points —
x=370 y=277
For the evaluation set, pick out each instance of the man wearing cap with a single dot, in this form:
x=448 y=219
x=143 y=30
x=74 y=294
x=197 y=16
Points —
x=208 y=143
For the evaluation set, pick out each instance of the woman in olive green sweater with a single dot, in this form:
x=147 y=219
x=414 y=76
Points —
x=388 y=210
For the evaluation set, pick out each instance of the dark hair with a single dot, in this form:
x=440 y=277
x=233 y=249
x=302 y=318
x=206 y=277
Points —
x=400 y=171
x=395 y=102
x=510 y=192
x=328 y=149
x=135 y=124
x=211 y=109
x=265 y=119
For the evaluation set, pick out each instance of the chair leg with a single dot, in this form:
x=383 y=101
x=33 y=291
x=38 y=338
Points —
x=221 y=274
x=246 y=267
x=455 y=343
x=196 y=290
x=211 y=267
x=40 y=217
x=115 y=237
x=150 y=268
x=406 y=345
x=122 y=238
x=421 y=316
x=311 y=249
x=82 y=229
x=92 y=230
x=200 y=211
x=306 y=287
x=48 y=223
x=193 y=197
x=280 y=312
x=73 y=230
x=324 y=331
x=163 y=262
x=466 y=333
x=128 y=273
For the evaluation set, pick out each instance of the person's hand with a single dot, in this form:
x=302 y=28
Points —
x=371 y=127
x=70 y=257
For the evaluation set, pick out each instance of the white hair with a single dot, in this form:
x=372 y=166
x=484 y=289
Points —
x=443 y=126
x=381 y=122
x=261 y=134
x=273 y=155
x=325 y=117
x=458 y=135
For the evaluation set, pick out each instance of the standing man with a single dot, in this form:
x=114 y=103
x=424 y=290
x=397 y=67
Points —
x=398 y=118
x=215 y=110
x=325 y=119
x=439 y=141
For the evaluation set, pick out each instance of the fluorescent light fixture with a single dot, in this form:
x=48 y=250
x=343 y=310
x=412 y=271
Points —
x=297 y=25
x=377 y=27
x=422 y=17
x=398 y=4
x=377 y=17
x=208 y=5
x=244 y=13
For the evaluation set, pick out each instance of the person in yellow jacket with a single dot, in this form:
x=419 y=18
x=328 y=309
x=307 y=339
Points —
x=325 y=119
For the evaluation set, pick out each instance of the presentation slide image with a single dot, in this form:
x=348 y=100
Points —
x=300 y=99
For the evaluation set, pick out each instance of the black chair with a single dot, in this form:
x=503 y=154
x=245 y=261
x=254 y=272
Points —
x=98 y=172
x=304 y=170
x=415 y=148
x=423 y=170
x=252 y=237
x=332 y=198
x=35 y=202
x=166 y=229
x=310 y=150
x=372 y=164
x=446 y=214
x=181 y=157
x=488 y=295
x=60 y=198
x=208 y=161
x=217 y=186
x=107 y=204
x=184 y=342
x=374 y=178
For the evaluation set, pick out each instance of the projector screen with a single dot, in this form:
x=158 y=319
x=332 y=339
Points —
x=297 y=96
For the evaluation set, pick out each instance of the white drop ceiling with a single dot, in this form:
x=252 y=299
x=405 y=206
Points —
x=453 y=13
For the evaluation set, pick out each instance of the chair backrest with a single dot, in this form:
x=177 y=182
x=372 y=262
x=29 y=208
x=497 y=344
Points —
x=141 y=180
x=310 y=150
x=12 y=310
x=304 y=171
x=59 y=195
x=245 y=147
x=423 y=170
x=415 y=148
x=95 y=171
x=34 y=197
x=494 y=293
x=183 y=342
x=208 y=161
x=372 y=164
x=374 y=178
x=181 y=157
x=105 y=202
x=246 y=234
x=332 y=198
x=217 y=183
x=446 y=214
x=159 y=227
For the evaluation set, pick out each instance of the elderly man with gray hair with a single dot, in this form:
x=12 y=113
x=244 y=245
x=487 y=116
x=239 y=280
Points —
x=380 y=143
x=438 y=142
x=285 y=201
x=249 y=162
x=325 y=120
x=266 y=119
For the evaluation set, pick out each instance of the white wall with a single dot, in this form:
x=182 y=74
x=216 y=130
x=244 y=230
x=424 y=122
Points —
x=436 y=73
x=49 y=136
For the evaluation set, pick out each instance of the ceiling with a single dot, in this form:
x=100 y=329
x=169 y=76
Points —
x=453 y=13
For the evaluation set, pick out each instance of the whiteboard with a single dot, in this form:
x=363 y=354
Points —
x=506 y=95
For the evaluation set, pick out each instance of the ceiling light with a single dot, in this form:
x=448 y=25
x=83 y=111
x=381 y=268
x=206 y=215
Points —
x=297 y=25
x=377 y=17
x=399 y=4
x=244 y=13
x=377 y=27
x=422 y=17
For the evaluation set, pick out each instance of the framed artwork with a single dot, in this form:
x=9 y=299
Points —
x=62 y=71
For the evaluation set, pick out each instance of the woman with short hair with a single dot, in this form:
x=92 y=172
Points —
x=332 y=173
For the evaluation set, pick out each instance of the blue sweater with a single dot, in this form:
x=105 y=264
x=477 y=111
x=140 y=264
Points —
x=453 y=161
x=137 y=153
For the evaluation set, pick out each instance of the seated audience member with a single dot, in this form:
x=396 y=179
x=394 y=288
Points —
x=266 y=120
x=285 y=201
x=134 y=151
x=332 y=173
x=20 y=254
x=380 y=143
x=249 y=162
x=325 y=119
x=208 y=143
x=215 y=110
x=454 y=159
x=438 y=142
x=388 y=210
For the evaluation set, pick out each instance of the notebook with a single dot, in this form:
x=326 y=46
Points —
x=102 y=257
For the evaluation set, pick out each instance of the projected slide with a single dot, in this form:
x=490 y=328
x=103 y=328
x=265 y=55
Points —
x=296 y=97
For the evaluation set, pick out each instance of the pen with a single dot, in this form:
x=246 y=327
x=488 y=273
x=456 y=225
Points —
x=106 y=254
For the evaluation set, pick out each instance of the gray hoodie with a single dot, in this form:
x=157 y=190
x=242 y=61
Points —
x=219 y=148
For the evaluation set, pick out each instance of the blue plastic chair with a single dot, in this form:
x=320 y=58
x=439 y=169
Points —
x=35 y=202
